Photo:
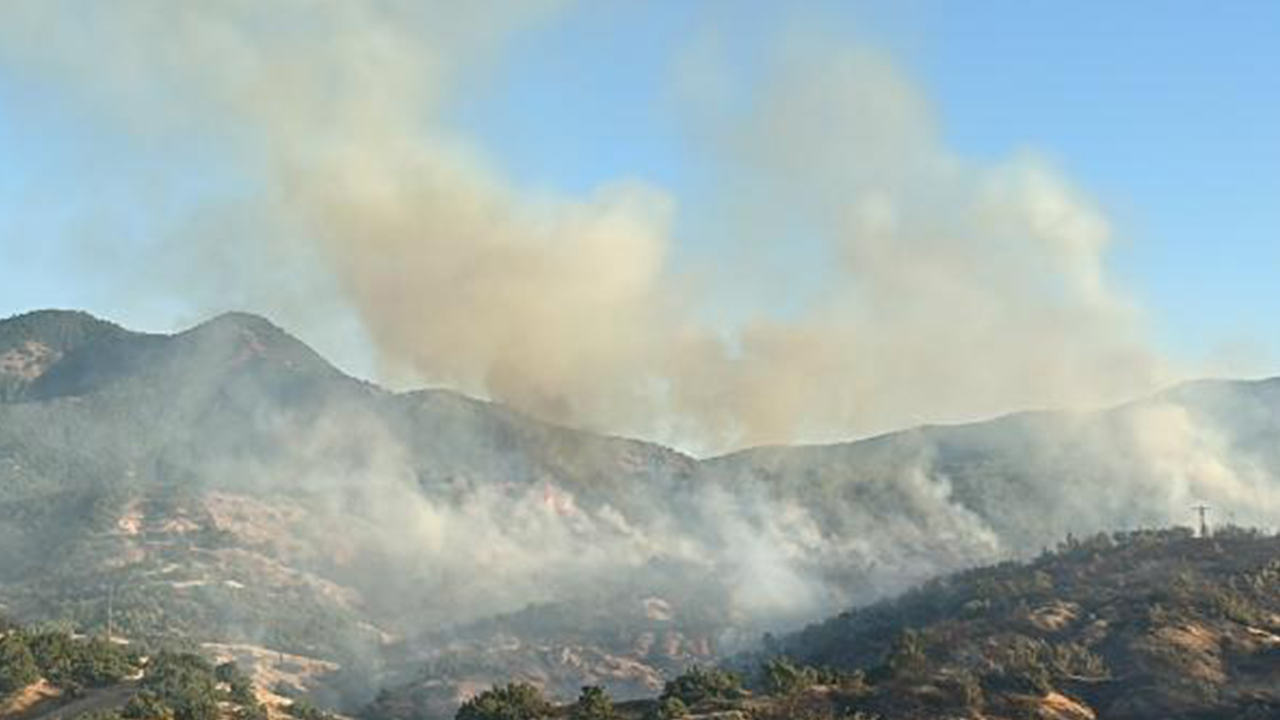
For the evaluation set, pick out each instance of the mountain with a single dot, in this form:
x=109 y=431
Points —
x=228 y=485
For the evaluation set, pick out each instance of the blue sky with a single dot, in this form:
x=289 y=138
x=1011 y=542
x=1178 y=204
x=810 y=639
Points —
x=1166 y=112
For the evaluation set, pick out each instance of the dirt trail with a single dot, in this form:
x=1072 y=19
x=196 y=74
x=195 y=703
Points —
x=108 y=698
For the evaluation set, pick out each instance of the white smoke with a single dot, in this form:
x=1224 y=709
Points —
x=956 y=289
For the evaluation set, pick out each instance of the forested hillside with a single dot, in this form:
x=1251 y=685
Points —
x=1143 y=625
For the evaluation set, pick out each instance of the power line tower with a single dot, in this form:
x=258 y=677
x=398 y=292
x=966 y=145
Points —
x=1203 y=510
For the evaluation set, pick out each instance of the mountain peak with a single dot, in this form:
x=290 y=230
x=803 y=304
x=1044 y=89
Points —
x=240 y=320
x=59 y=330
x=246 y=336
x=55 y=353
x=34 y=343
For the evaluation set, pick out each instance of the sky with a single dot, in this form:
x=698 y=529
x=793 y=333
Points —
x=1169 y=112
x=1164 y=113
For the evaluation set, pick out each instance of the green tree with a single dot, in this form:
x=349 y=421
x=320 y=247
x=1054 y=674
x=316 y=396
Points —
x=238 y=682
x=54 y=654
x=699 y=684
x=146 y=705
x=184 y=682
x=667 y=708
x=97 y=662
x=908 y=658
x=515 y=701
x=781 y=676
x=593 y=704
x=18 y=667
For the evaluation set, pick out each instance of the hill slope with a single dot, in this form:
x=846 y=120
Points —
x=1147 y=625
x=226 y=484
x=1150 y=624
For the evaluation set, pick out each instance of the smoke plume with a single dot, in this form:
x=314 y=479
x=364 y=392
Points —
x=954 y=287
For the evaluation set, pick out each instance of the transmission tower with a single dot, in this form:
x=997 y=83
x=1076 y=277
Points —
x=1203 y=511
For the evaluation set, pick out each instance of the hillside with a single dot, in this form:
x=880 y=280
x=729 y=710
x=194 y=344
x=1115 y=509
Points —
x=1148 y=624
x=1144 y=625
x=226 y=485
x=50 y=674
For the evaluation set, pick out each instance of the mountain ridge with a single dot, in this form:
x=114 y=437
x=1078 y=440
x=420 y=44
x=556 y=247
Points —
x=225 y=484
x=240 y=323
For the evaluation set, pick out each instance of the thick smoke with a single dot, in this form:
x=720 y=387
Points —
x=955 y=288
x=952 y=288
x=432 y=554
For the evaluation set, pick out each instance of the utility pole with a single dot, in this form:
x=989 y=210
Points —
x=111 y=602
x=1204 y=525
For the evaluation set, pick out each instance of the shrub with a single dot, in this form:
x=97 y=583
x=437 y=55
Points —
x=255 y=711
x=71 y=663
x=781 y=676
x=18 y=667
x=700 y=684
x=667 y=708
x=185 y=683
x=239 y=684
x=908 y=658
x=146 y=705
x=304 y=710
x=515 y=701
x=593 y=704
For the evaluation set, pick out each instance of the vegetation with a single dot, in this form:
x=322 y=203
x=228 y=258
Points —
x=593 y=704
x=667 y=708
x=701 y=684
x=18 y=667
x=239 y=684
x=1192 y=622
x=782 y=676
x=1132 y=626
x=117 y=451
x=304 y=710
x=515 y=701
x=75 y=663
x=171 y=685
x=66 y=662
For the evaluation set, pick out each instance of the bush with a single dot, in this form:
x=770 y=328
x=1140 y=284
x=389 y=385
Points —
x=71 y=663
x=781 y=676
x=515 y=701
x=908 y=658
x=146 y=705
x=18 y=667
x=701 y=684
x=968 y=690
x=239 y=684
x=593 y=704
x=668 y=708
x=185 y=683
x=304 y=710
x=255 y=711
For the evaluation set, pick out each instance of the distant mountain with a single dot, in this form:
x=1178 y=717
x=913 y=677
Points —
x=227 y=484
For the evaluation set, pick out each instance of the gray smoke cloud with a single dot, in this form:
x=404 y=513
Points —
x=956 y=288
